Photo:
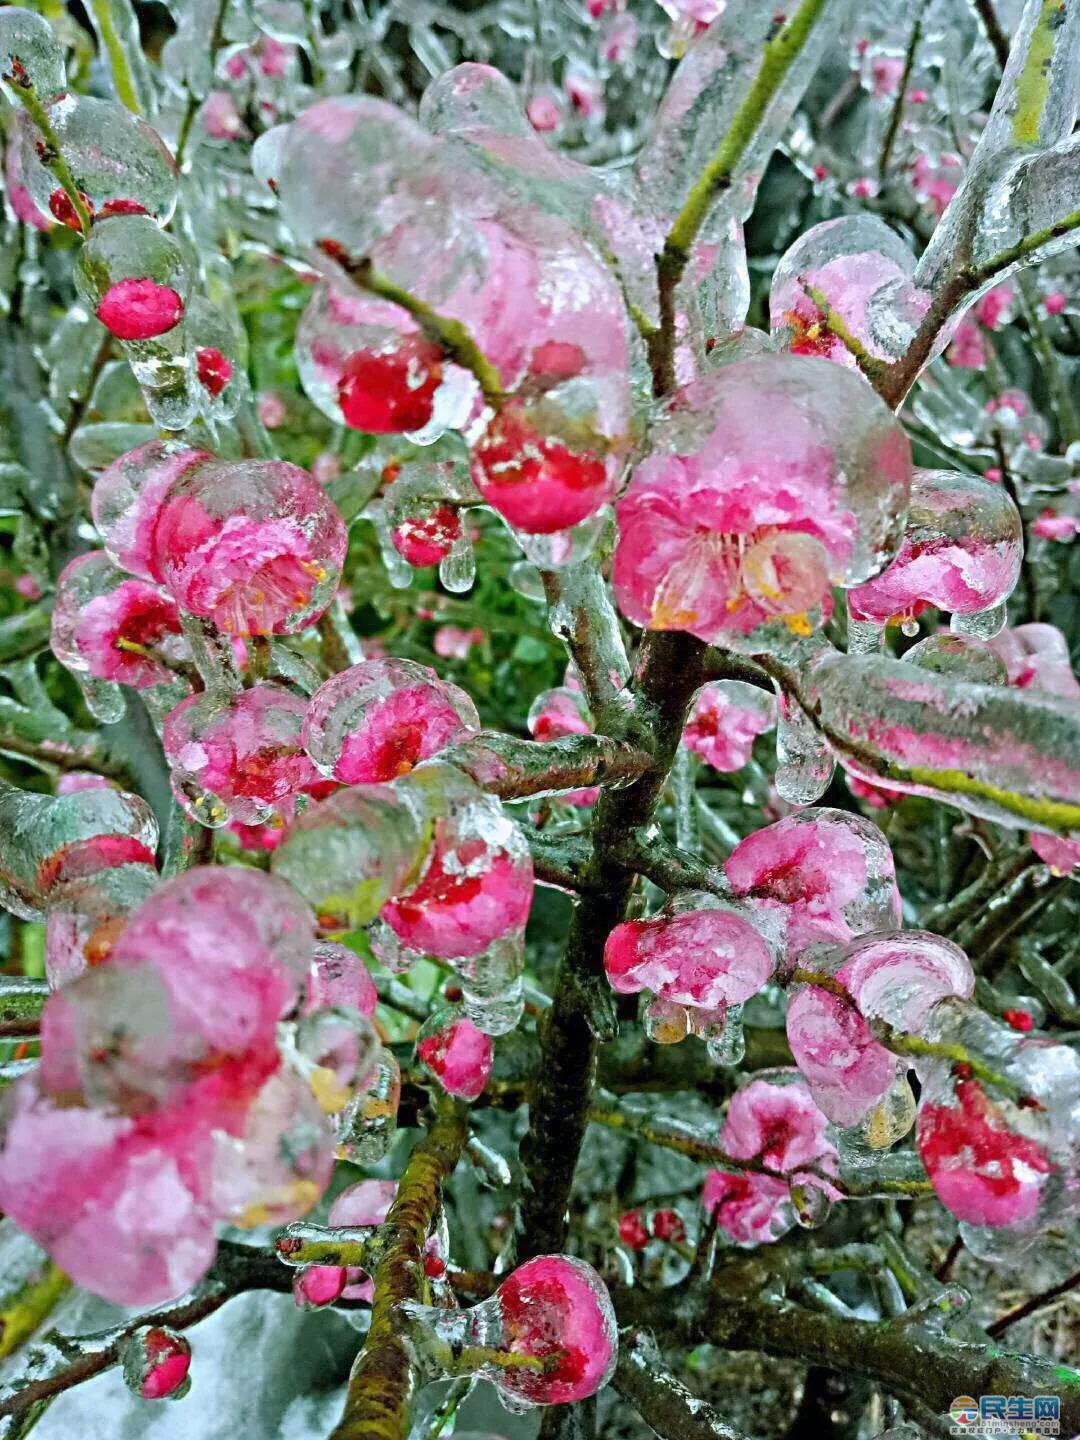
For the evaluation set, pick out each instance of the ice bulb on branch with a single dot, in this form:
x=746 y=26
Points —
x=476 y=884
x=237 y=757
x=775 y=1123
x=697 y=956
x=824 y=875
x=949 y=654
x=378 y=719
x=962 y=547
x=767 y=482
x=424 y=511
x=30 y=54
x=727 y=717
x=117 y=161
x=347 y=854
x=455 y=1053
x=109 y=628
x=256 y=546
x=854 y=269
x=546 y=1337
x=156 y=1360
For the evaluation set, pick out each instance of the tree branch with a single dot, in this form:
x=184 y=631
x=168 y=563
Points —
x=662 y=1401
x=384 y=1378
x=513 y=769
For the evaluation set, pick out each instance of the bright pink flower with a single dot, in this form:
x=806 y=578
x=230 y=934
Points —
x=394 y=391
x=1061 y=855
x=632 y=1230
x=962 y=548
x=726 y=719
x=585 y=93
x=213 y=370
x=544 y=112
x=318 y=1285
x=237 y=758
x=338 y=977
x=744 y=516
x=668 y=1225
x=985 y=1172
x=1052 y=526
x=778 y=1125
x=967 y=350
x=61 y=208
x=536 y=481
x=221 y=119
x=556 y=1309
x=366 y=1203
x=1055 y=302
x=1037 y=656
x=113 y=628
x=705 y=958
x=254 y=546
x=376 y=720
x=846 y=1069
x=458 y=1054
x=826 y=875
x=428 y=536
x=477 y=884
x=752 y=1209
x=139 y=309
x=159 y=1359
x=453 y=643
x=886 y=72
x=935 y=181
x=993 y=309
x=128 y=495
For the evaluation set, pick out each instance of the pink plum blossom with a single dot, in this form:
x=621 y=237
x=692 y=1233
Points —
x=827 y=876
x=271 y=409
x=451 y=642
x=456 y=1053
x=113 y=628
x=967 y=349
x=702 y=957
x=1062 y=856
x=139 y=309
x=237 y=758
x=376 y=720
x=726 y=719
x=995 y=307
x=847 y=1070
x=220 y=117
x=557 y=1309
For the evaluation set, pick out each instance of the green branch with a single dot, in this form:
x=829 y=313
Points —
x=123 y=79
x=52 y=159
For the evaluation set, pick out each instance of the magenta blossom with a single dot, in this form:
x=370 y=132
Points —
x=237 y=758
x=114 y=628
x=456 y=1053
x=139 y=309
x=379 y=718
x=826 y=875
x=726 y=719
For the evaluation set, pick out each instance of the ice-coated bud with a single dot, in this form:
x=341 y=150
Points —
x=319 y=1285
x=826 y=875
x=455 y=1053
x=1037 y=656
x=127 y=496
x=366 y=1128
x=949 y=654
x=546 y=1337
x=365 y=364
x=857 y=269
x=768 y=481
x=256 y=546
x=846 y=1070
x=376 y=720
x=423 y=508
x=155 y=1362
x=697 y=954
x=727 y=717
x=775 y=1123
x=237 y=757
x=348 y=854
x=50 y=842
x=116 y=160
x=30 y=54
x=961 y=552
x=110 y=627
x=476 y=885
x=898 y=976
x=338 y=976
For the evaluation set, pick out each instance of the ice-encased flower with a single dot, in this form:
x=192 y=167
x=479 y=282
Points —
x=727 y=717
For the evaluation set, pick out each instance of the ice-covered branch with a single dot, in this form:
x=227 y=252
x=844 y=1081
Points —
x=513 y=769
x=662 y=1400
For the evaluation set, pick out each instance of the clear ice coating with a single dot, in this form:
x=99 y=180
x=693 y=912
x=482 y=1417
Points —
x=237 y=757
x=824 y=876
x=857 y=269
x=1001 y=1152
x=155 y=1362
x=455 y=1053
x=376 y=720
x=29 y=51
x=553 y=1311
x=119 y=163
x=1009 y=755
x=346 y=855
x=804 y=758
x=697 y=956
x=475 y=885
x=112 y=630
x=766 y=483
x=126 y=497
x=949 y=654
x=726 y=718
x=961 y=552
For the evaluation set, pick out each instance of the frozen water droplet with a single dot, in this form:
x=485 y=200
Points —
x=983 y=624
x=804 y=759
x=910 y=627
x=457 y=571
x=812 y=1206
x=726 y=1043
